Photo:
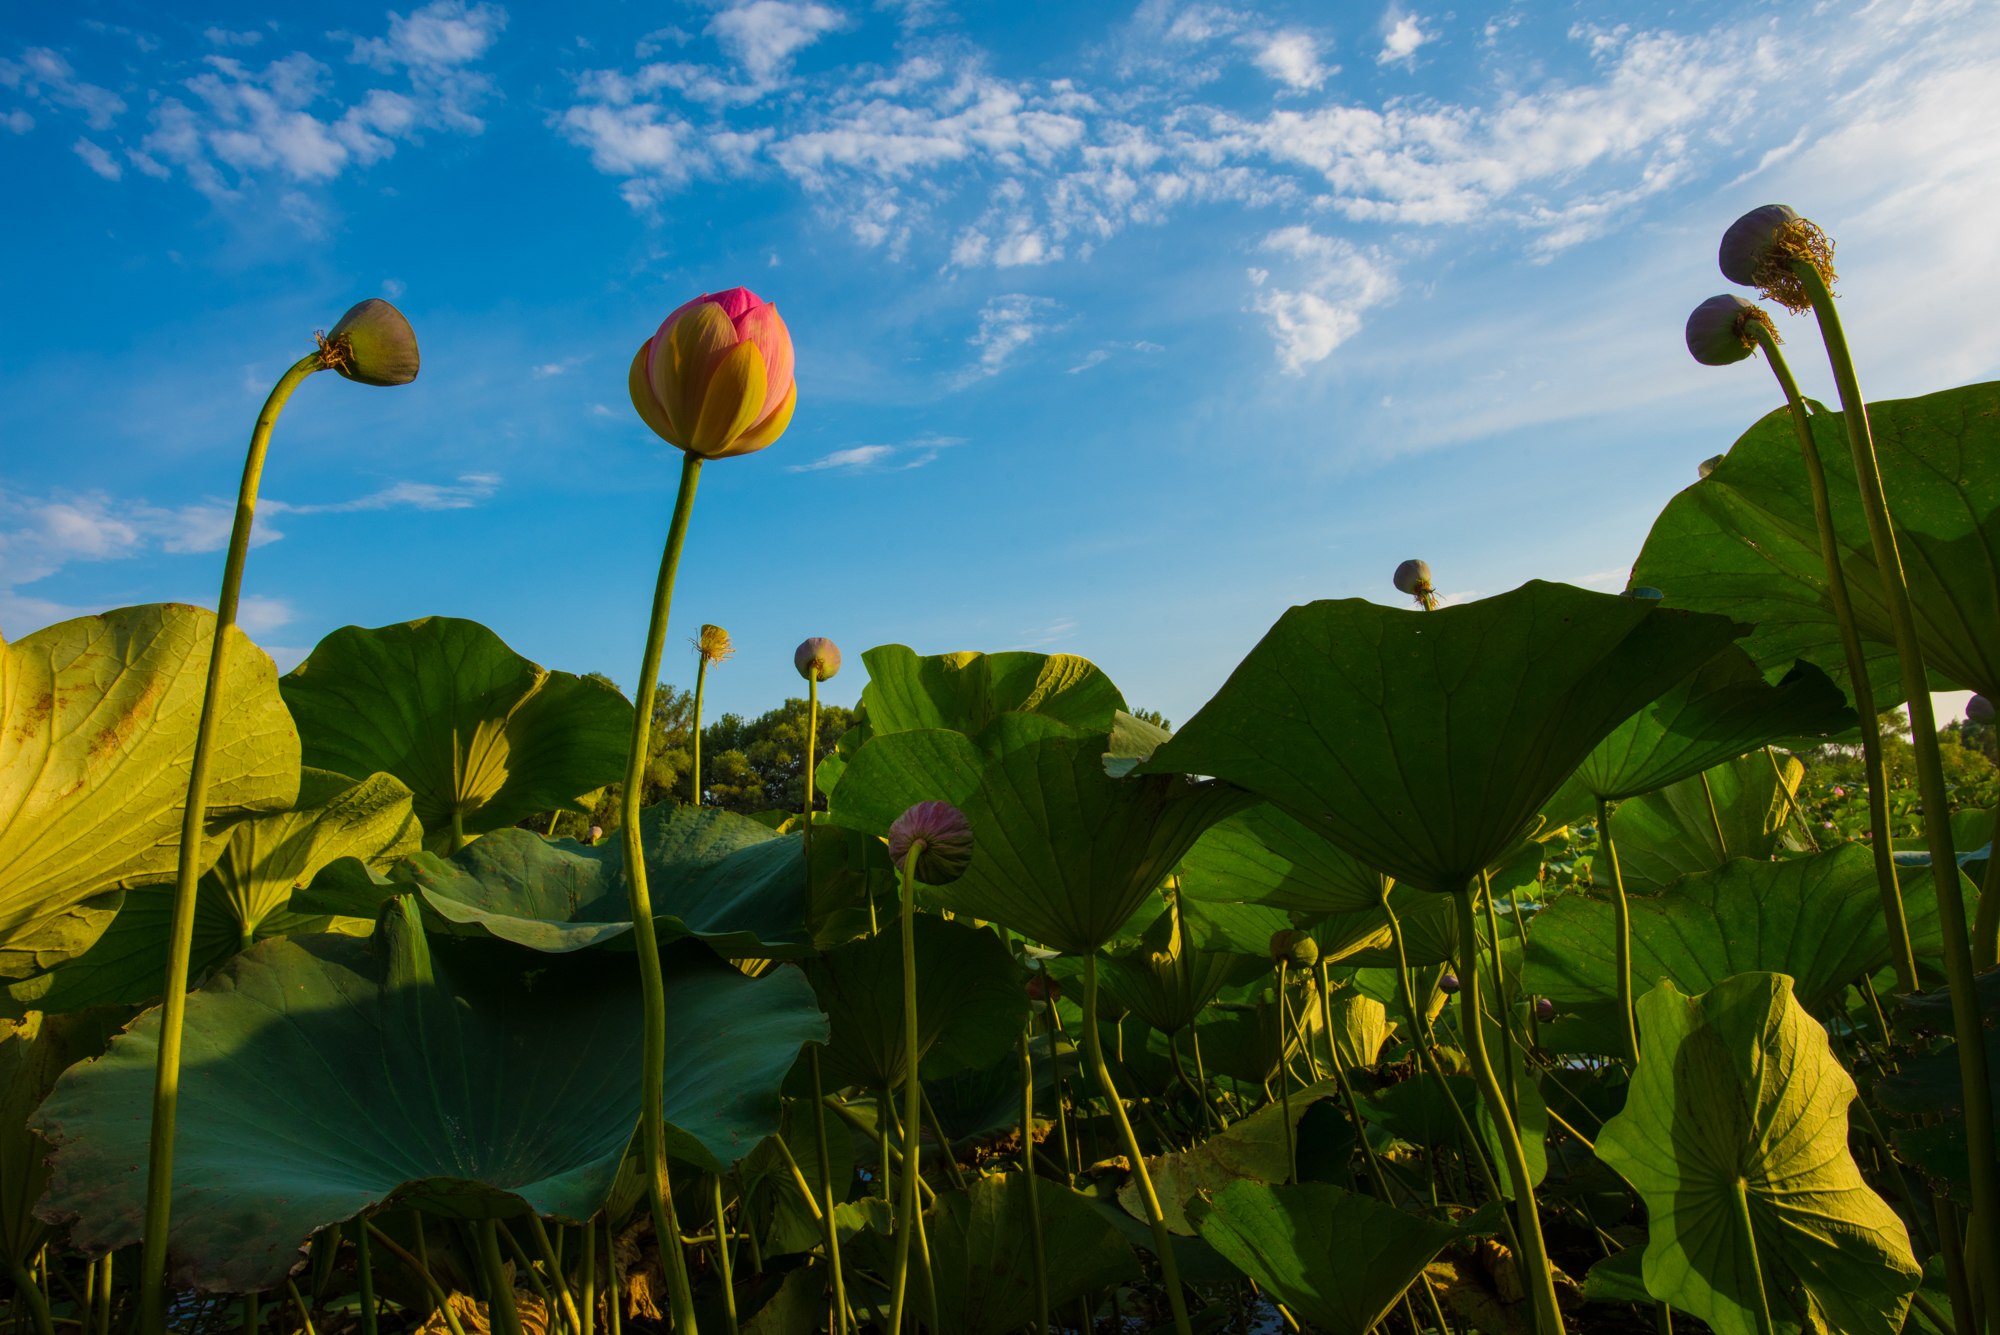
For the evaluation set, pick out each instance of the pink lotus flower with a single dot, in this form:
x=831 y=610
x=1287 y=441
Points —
x=716 y=380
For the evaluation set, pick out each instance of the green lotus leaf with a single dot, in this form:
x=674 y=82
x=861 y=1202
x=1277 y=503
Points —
x=785 y=1224
x=983 y=1260
x=1743 y=542
x=1246 y=1040
x=1063 y=853
x=710 y=873
x=971 y=1003
x=1165 y=981
x=1256 y=1147
x=1669 y=834
x=967 y=692
x=481 y=736
x=97 y=728
x=1723 y=709
x=1339 y=1261
x=1417 y=1109
x=1816 y=918
x=34 y=1052
x=1739 y=1090
x=1263 y=856
x=1430 y=932
x=325 y=1076
x=1424 y=743
x=1361 y=1025
x=1929 y=1085
x=1618 y=1278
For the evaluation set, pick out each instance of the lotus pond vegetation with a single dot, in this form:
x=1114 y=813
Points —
x=1556 y=961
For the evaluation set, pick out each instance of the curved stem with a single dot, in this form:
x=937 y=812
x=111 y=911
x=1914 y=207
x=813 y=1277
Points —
x=1170 y=1271
x=1743 y=1222
x=1903 y=956
x=653 y=1055
x=723 y=1268
x=180 y=946
x=1528 y=1225
x=29 y=1294
x=1931 y=787
x=1285 y=1075
x=826 y=1187
x=299 y=1303
x=700 y=681
x=1622 y=930
x=1375 y=1179
x=906 y=1211
x=1028 y=1169
x=500 y=1310
x=557 y=1284
x=1714 y=818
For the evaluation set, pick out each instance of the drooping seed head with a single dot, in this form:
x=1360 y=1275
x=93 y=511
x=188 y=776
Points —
x=1545 y=1010
x=1759 y=249
x=713 y=645
x=818 y=659
x=1294 y=947
x=1979 y=709
x=1414 y=578
x=942 y=837
x=1710 y=464
x=1448 y=984
x=1718 y=331
x=372 y=344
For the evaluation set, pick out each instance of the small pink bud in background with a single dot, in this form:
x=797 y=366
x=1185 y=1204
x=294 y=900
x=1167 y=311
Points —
x=818 y=659
x=1840 y=792
x=1545 y=1010
x=942 y=837
x=716 y=379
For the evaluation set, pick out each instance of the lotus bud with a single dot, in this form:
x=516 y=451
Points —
x=1645 y=593
x=372 y=344
x=1294 y=947
x=596 y=833
x=942 y=837
x=1710 y=464
x=1448 y=984
x=716 y=379
x=1718 y=332
x=1979 y=709
x=1759 y=248
x=1414 y=578
x=1043 y=988
x=818 y=659
x=713 y=645
x=1545 y=1010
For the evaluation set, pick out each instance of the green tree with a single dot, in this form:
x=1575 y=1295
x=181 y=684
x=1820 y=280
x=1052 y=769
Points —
x=669 y=758
x=753 y=765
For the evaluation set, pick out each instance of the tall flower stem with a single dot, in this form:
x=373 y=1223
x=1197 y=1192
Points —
x=906 y=1210
x=826 y=1189
x=1901 y=954
x=653 y=1054
x=1170 y=1271
x=1958 y=963
x=1621 y=932
x=1028 y=1171
x=180 y=941
x=1528 y=1224
x=812 y=749
x=700 y=680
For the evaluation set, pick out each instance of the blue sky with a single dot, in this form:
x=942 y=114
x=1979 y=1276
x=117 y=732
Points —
x=1119 y=329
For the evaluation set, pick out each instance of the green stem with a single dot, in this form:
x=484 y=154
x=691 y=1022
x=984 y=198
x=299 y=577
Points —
x=1028 y=1169
x=1621 y=931
x=725 y=1271
x=1959 y=967
x=1528 y=1227
x=556 y=1281
x=1285 y=1075
x=1863 y=691
x=29 y=1293
x=524 y=1271
x=305 y=1316
x=1503 y=1011
x=614 y=1299
x=906 y=1211
x=252 y=1319
x=826 y=1186
x=951 y=1167
x=1944 y=1216
x=1714 y=817
x=364 y=1271
x=700 y=681
x=1763 y=1309
x=1053 y=1028
x=1375 y=1181
x=587 y=1281
x=1170 y=1271
x=1986 y=924
x=1793 y=812
x=500 y=1310
x=101 y=1299
x=180 y=942
x=653 y=1056
x=812 y=749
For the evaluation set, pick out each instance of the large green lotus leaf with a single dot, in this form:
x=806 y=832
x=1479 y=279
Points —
x=1165 y=981
x=971 y=1003
x=1816 y=918
x=1339 y=1261
x=476 y=731
x=33 y=1053
x=97 y=729
x=710 y=874
x=1264 y=856
x=1424 y=743
x=1430 y=932
x=1245 y=1041
x=1743 y=541
x=1723 y=709
x=1739 y=1085
x=1417 y=1109
x=1254 y=1147
x=966 y=692
x=982 y=1253
x=781 y=1216
x=1669 y=834
x=328 y=1075
x=1930 y=1087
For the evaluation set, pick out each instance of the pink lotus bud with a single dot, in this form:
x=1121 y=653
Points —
x=1448 y=984
x=716 y=380
x=1545 y=1010
x=942 y=837
x=818 y=659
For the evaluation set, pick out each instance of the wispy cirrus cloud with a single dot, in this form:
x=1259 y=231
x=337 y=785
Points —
x=881 y=458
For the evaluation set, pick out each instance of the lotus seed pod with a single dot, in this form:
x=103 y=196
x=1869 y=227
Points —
x=1043 y=988
x=1294 y=947
x=942 y=837
x=372 y=344
x=1448 y=984
x=1710 y=464
x=1759 y=249
x=1979 y=709
x=1716 y=332
x=1545 y=1010
x=1749 y=240
x=818 y=659
x=1412 y=575
x=1644 y=593
x=713 y=645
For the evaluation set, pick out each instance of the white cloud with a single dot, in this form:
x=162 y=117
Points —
x=97 y=159
x=1095 y=356
x=470 y=489
x=857 y=458
x=1006 y=325
x=1292 y=58
x=44 y=76
x=1402 y=34
x=881 y=458
x=394 y=288
x=1335 y=283
x=19 y=121
x=762 y=36
x=224 y=37
x=257 y=613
